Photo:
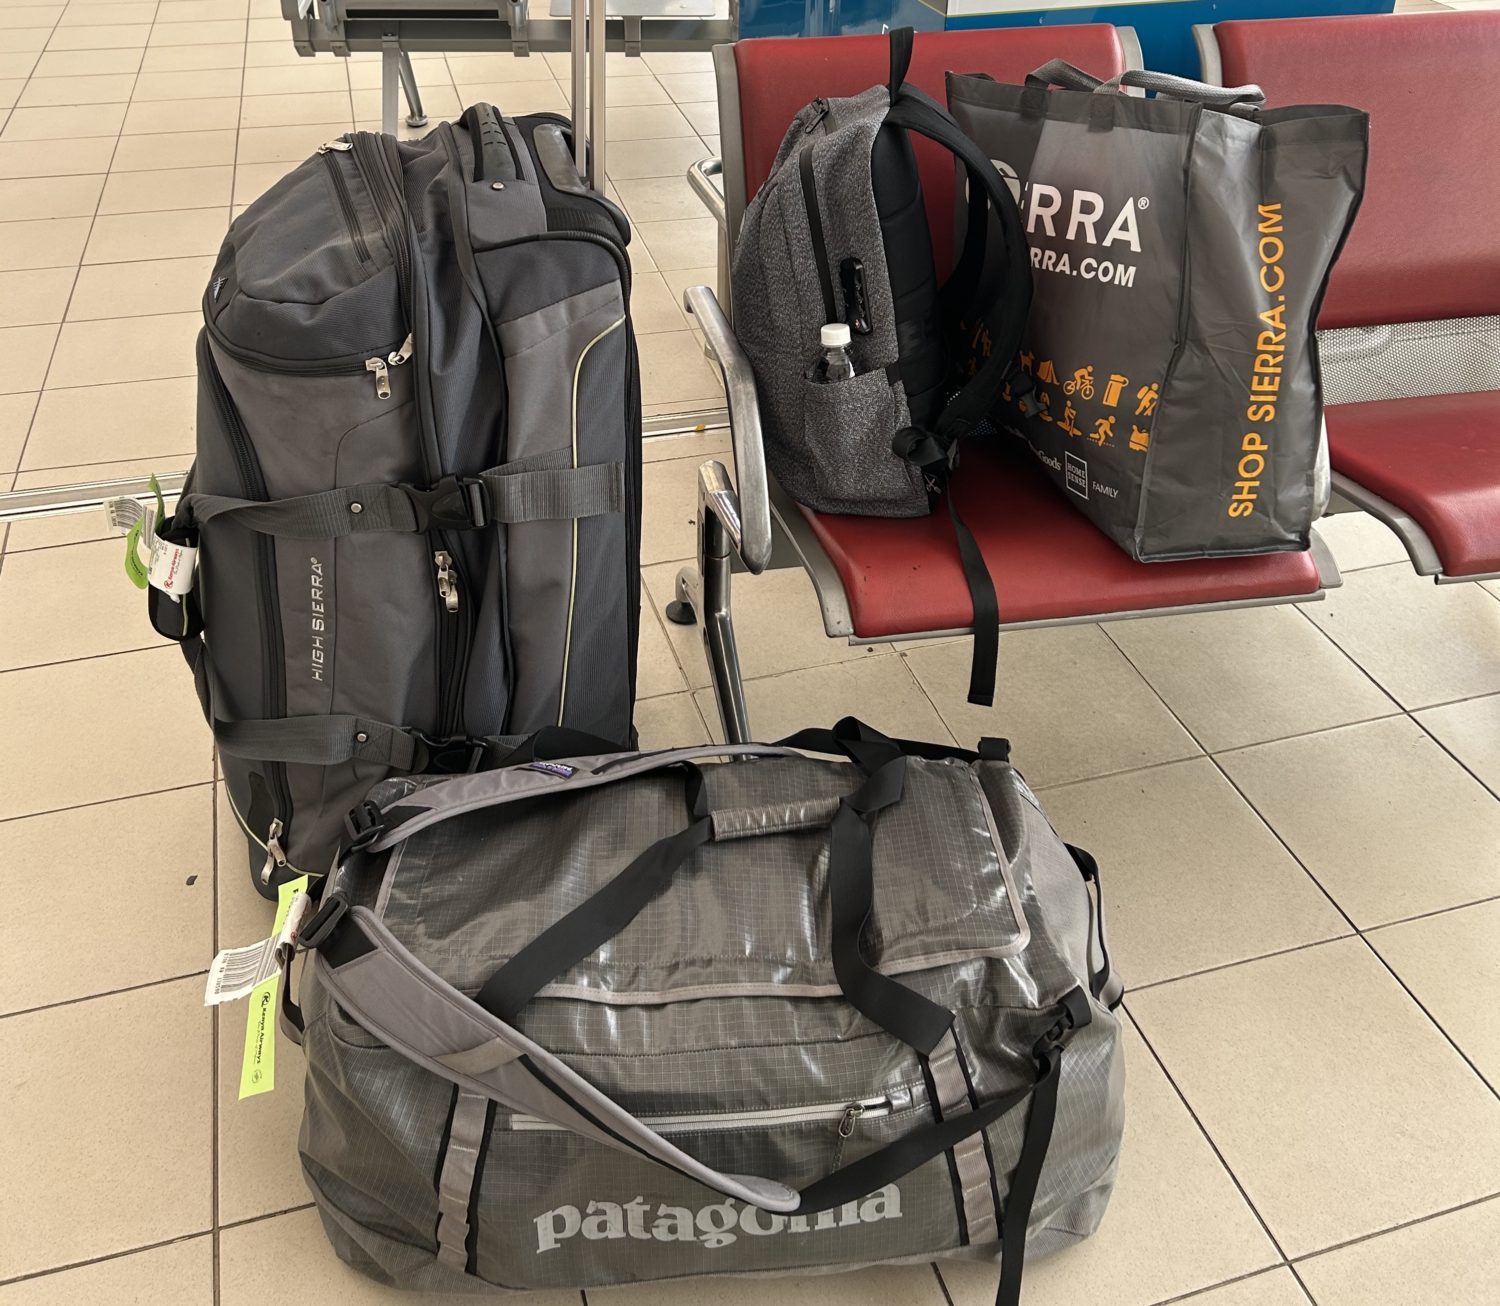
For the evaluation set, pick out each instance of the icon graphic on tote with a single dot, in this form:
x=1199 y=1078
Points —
x=1077 y=473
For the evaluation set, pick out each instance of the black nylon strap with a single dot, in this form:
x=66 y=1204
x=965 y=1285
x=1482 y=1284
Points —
x=553 y=742
x=986 y=604
x=851 y=732
x=1025 y=1177
x=902 y=40
x=1098 y=976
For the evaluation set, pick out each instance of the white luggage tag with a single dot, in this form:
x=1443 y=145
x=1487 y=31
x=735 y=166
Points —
x=172 y=568
x=236 y=972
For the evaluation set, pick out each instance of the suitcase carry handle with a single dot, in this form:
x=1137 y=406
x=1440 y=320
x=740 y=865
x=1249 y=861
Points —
x=494 y=159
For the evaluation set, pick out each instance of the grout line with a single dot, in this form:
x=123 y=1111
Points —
x=32 y=1275
x=118 y=798
x=1436 y=739
x=1395 y=1228
x=106 y=993
x=267 y=1215
x=86 y=657
x=1428 y=915
x=1195 y=1293
x=1243 y=961
x=1208 y=1138
x=942 y=1284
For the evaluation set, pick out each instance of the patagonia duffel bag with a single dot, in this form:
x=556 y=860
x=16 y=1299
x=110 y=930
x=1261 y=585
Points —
x=633 y=1016
x=415 y=505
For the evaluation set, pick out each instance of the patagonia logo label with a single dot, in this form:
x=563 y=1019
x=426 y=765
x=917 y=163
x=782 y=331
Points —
x=553 y=768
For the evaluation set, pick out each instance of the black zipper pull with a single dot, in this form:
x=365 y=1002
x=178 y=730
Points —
x=822 y=107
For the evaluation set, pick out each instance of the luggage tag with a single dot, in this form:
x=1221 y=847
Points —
x=254 y=971
x=137 y=522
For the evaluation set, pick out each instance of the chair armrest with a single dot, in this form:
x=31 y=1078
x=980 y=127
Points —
x=744 y=507
x=700 y=177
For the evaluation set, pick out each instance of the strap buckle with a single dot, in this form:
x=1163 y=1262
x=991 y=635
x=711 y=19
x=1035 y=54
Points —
x=364 y=824
x=1072 y=1014
x=459 y=503
x=460 y=755
x=330 y=911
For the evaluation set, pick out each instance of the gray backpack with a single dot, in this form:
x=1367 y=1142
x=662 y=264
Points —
x=589 y=1020
x=838 y=234
x=416 y=496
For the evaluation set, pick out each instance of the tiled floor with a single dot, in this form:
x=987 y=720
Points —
x=1297 y=810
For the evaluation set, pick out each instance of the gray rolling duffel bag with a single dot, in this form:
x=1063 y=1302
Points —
x=600 y=1019
x=416 y=495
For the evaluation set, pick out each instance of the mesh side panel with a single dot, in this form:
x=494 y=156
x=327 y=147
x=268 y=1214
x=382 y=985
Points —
x=1458 y=356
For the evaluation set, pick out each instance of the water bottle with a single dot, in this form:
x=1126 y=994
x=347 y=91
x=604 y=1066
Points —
x=835 y=365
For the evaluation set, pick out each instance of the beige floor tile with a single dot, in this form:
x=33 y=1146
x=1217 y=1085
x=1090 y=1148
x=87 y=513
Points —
x=669 y=492
x=191 y=58
x=285 y=110
x=31 y=298
x=366 y=76
x=690 y=88
x=902 y=1285
x=1424 y=643
x=170 y=285
x=18 y=64
x=154 y=117
x=286 y=145
x=703 y=117
x=212 y=32
x=1384 y=820
x=1439 y=1262
x=106 y=88
x=168 y=188
x=15 y=419
x=1277 y=1287
x=79 y=527
x=660 y=199
x=668 y=62
x=266 y=29
x=1315 y=1075
x=657 y=671
x=26 y=351
x=81 y=63
x=110 y=423
x=104 y=612
x=106 y=928
x=303 y=1251
x=189 y=84
x=29 y=15
x=128 y=237
x=712 y=141
x=616 y=64
x=653 y=307
x=629 y=160
x=10 y=90
x=777 y=623
x=688 y=243
x=112 y=36
x=140 y=1166
x=253 y=180
x=125 y=349
x=179 y=1274
x=514 y=98
x=644 y=122
x=679 y=279
x=492 y=68
x=628 y=91
x=194 y=11
x=21 y=40
x=438 y=101
x=672 y=720
x=1471 y=732
x=673 y=369
x=43 y=159
x=878 y=690
x=640 y=256
x=168 y=151
x=51 y=708
x=1449 y=961
x=1069 y=702
x=63 y=123
x=49 y=197
x=1359 y=541
x=311 y=75
x=86 y=15
x=698 y=445
x=1243 y=677
x=1193 y=879
x=1175 y=1223
x=43 y=243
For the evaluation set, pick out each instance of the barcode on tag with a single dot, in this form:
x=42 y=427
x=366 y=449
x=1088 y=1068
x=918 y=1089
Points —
x=236 y=971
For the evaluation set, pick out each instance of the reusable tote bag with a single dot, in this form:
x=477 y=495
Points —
x=1180 y=246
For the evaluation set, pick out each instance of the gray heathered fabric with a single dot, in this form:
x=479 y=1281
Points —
x=508 y=291
x=829 y=445
x=657 y=1026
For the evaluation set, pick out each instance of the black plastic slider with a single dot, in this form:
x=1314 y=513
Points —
x=457 y=503
x=364 y=824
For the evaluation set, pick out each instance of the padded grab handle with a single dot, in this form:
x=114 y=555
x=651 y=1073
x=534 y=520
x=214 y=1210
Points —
x=1183 y=88
x=492 y=157
x=1059 y=72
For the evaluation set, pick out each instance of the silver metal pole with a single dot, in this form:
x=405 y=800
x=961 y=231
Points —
x=579 y=66
x=597 y=66
x=390 y=82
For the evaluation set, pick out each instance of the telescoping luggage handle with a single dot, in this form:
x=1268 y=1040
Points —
x=473 y=1043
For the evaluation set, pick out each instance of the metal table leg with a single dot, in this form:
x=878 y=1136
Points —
x=598 y=61
x=578 y=33
x=390 y=80
x=415 y=117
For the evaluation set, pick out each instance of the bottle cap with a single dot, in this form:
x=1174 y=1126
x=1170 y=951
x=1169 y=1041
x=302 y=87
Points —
x=835 y=336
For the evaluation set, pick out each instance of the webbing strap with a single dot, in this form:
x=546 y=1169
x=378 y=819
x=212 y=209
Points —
x=322 y=741
x=496 y=496
x=459 y=1174
x=1025 y=1178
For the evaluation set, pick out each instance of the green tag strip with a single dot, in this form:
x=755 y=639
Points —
x=135 y=569
x=258 y=1069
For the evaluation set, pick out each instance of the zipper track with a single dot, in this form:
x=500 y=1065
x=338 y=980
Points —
x=273 y=684
x=346 y=204
x=344 y=365
x=454 y=640
x=870 y=1108
x=815 y=230
x=374 y=163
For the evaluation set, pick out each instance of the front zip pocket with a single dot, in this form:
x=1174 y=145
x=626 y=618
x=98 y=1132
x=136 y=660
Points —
x=346 y=202
x=841 y=1117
